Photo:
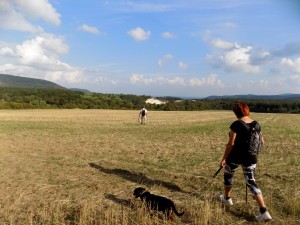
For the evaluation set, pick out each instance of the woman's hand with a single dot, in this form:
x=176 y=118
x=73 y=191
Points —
x=222 y=163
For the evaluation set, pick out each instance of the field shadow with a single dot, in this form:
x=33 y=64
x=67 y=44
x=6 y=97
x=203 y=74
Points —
x=242 y=215
x=120 y=201
x=138 y=178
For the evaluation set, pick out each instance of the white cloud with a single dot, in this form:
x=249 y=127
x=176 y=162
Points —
x=71 y=75
x=264 y=84
x=168 y=35
x=292 y=65
x=260 y=56
x=6 y=51
x=89 y=29
x=289 y=49
x=183 y=65
x=164 y=59
x=218 y=43
x=17 y=14
x=42 y=51
x=211 y=80
x=38 y=9
x=179 y=81
x=237 y=59
x=140 y=79
x=39 y=58
x=139 y=34
x=138 y=7
x=295 y=79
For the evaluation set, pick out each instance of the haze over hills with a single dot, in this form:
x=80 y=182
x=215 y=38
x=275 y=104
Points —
x=252 y=96
x=25 y=82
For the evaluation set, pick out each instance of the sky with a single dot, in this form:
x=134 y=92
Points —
x=186 y=48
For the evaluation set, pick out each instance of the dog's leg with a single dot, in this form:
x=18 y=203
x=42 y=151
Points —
x=171 y=219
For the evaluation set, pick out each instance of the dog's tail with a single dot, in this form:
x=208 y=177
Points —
x=176 y=212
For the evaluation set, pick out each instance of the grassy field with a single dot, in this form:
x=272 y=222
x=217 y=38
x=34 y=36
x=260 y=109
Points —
x=81 y=167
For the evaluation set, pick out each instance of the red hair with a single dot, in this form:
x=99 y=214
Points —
x=241 y=110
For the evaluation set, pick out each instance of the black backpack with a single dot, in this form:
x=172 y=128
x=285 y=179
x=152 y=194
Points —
x=253 y=138
x=143 y=112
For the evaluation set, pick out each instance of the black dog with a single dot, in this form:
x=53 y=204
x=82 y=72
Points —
x=156 y=202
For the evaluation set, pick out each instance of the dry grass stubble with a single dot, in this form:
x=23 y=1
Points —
x=81 y=166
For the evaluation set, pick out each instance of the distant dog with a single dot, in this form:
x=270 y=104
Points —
x=156 y=202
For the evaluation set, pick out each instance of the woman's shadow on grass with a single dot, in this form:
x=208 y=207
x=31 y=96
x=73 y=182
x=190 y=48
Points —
x=138 y=178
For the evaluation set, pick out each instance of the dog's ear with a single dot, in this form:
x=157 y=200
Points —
x=140 y=190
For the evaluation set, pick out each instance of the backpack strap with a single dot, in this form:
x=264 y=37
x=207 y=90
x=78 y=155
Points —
x=245 y=124
x=253 y=124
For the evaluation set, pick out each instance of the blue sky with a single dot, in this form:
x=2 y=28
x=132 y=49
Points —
x=159 y=47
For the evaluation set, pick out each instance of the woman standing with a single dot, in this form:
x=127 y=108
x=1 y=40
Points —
x=235 y=154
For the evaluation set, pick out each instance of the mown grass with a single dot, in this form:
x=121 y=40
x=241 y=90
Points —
x=81 y=167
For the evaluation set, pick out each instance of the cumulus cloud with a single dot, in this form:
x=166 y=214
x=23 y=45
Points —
x=260 y=56
x=39 y=58
x=264 y=84
x=17 y=14
x=38 y=9
x=218 y=43
x=209 y=81
x=180 y=81
x=89 y=29
x=238 y=60
x=295 y=79
x=290 y=49
x=168 y=35
x=41 y=51
x=183 y=65
x=234 y=58
x=140 y=79
x=164 y=59
x=139 y=34
x=71 y=75
x=292 y=64
x=6 y=52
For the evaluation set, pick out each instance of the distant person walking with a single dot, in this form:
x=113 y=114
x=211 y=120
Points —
x=143 y=115
x=236 y=154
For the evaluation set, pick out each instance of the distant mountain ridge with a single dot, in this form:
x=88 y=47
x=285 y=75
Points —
x=25 y=82
x=262 y=97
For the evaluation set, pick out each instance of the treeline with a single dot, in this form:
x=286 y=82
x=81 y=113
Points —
x=27 y=98
x=256 y=105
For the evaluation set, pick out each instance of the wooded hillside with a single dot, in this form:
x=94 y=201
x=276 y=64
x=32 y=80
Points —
x=26 y=82
x=33 y=98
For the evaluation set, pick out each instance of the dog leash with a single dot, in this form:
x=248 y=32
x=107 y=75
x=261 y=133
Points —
x=208 y=183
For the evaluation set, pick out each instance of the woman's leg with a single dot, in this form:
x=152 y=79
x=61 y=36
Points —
x=260 y=200
x=250 y=181
x=229 y=171
x=249 y=170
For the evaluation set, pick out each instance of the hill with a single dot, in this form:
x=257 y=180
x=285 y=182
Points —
x=258 y=97
x=25 y=82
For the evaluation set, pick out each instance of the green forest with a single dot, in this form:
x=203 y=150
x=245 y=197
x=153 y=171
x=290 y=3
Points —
x=32 y=98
